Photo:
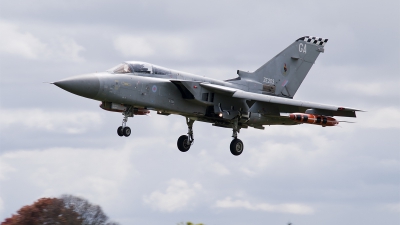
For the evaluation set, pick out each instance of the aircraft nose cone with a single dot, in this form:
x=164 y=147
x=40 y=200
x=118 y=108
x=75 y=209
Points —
x=84 y=85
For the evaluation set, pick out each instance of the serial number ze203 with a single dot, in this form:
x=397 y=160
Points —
x=269 y=80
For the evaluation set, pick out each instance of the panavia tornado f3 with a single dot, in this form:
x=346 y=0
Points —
x=252 y=99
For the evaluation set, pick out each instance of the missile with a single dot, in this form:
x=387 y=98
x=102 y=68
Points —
x=313 y=119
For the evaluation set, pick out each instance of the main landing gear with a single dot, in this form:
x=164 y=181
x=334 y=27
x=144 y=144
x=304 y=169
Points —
x=236 y=144
x=124 y=130
x=185 y=141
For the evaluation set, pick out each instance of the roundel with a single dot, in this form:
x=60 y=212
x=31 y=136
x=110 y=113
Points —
x=154 y=88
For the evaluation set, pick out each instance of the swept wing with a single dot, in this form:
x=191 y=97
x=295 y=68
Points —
x=285 y=105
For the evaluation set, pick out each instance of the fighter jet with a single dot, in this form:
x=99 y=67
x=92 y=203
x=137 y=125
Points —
x=252 y=99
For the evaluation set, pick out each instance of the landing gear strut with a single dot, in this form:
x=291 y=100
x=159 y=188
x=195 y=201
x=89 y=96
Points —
x=236 y=144
x=124 y=130
x=185 y=141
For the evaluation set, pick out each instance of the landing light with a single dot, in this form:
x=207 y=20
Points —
x=220 y=114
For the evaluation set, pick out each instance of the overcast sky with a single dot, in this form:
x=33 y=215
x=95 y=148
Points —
x=53 y=142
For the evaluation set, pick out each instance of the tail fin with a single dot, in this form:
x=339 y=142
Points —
x=283 y=74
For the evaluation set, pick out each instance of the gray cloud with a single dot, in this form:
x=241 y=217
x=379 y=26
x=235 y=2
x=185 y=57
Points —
x=347 y=174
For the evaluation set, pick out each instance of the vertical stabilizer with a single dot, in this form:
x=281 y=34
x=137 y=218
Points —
x=283 y=74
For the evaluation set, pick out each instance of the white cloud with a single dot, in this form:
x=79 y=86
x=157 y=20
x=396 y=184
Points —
x=93 y=173
x=178 y=196
x=302 y=149
x=1 y=205
x=13 y=41
x=133 y=46
x=149 y=45
x=209 y=164
x=350 y=169
x=272 y=155
x=63 y=122
x=4 y=169
x=381 y=118
x=69 y=50
x=219 y=169
x=367 y=87
x=392 y=207
x=360 y=80
x=22 y=43
x=292 y=208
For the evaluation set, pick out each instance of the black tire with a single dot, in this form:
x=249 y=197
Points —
x=236 y=147
x=126 y=131
x=182 y=143
x=119 y=131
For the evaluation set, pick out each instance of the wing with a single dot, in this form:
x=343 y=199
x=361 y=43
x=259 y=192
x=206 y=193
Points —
x=285 y=105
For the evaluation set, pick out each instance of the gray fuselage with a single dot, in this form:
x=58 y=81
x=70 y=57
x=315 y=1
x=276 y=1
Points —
x=179 y=93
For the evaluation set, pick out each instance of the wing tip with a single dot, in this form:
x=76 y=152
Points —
x=349 y=109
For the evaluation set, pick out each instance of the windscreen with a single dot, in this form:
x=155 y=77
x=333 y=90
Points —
x=139 y=67
x=160 y=70
x=121 y=68
x=132 y=67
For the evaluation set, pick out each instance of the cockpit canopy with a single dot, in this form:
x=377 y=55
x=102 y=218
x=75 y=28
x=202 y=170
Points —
x=139 y=67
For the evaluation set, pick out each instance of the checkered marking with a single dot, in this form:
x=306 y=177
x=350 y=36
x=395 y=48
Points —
x=314 y=40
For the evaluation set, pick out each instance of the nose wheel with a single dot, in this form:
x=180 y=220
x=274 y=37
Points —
x=125 y=130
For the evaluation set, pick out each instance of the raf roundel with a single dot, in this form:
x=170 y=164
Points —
x=154 y=88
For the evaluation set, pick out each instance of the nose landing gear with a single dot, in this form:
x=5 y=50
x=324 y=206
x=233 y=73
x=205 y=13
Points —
x=185 y=141
x=125 y=130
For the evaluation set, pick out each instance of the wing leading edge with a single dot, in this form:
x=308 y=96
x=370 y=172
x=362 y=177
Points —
x=285 y=105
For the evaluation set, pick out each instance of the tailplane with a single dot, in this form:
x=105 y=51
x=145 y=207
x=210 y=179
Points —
x=283 y=74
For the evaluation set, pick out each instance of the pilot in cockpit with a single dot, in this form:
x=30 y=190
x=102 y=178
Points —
x=121 y=68
x=127 y=69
